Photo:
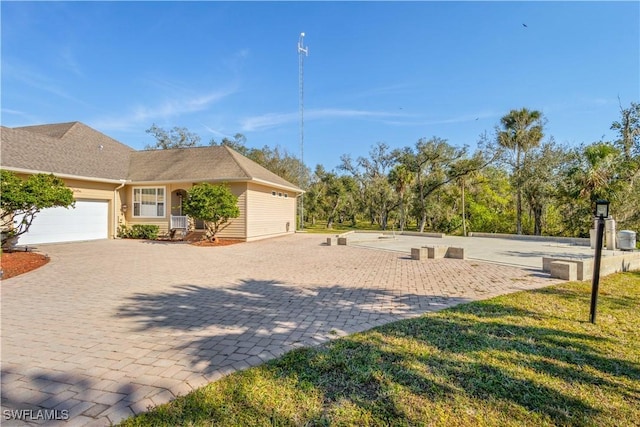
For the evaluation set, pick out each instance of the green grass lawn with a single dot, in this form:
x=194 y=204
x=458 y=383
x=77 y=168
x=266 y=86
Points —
x=530 y=358
x=321 y=227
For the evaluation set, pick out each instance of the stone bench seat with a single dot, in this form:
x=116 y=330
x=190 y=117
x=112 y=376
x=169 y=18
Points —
x=584 y=267
x=332 y=241
x=564 y=270
x=436 y=252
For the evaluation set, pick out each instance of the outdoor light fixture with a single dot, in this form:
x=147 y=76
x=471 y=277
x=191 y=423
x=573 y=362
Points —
x=601 y=212
x=124 y=208
x=602 y=209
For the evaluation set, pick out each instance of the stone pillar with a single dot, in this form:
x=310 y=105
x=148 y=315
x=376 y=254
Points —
x=610 y=233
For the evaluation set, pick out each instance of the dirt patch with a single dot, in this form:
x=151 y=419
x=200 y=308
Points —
x=217 y=242
x=15 y=263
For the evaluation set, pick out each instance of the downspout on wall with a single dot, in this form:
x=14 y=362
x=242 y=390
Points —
x=123 y=182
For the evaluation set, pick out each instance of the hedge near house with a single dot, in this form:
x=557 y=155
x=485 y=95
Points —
x=139 y=231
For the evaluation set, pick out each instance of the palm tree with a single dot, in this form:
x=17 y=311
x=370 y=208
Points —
x=521 y=131
x=597 y=179
x=593 y=174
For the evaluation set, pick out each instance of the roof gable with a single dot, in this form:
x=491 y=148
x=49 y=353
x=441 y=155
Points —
x=196 y=164
x=76 y=149
x=55 y=130
x=257 y=171
x=68 y=148
x=188 y=164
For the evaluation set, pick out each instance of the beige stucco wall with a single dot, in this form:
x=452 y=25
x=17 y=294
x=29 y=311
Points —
x=268 y=215
x=236 y=228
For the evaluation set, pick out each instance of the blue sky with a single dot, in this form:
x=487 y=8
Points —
x=376 y=71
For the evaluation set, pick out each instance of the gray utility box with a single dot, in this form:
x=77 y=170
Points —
x=626 y=240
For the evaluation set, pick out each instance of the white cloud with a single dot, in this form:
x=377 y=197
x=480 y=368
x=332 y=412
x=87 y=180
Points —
x=216 y=132
x=70 y=63
x=10 y=111
x=267 y=121
x=236 y=61
x=21 y=118
x=271 y=120
x=30 y=77
x=143 y=114
x=426 y=121
x=392 y=89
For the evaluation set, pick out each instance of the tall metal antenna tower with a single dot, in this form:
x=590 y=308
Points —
x=302 y=52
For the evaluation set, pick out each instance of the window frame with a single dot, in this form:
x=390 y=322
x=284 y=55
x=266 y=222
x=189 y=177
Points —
x=155 y=187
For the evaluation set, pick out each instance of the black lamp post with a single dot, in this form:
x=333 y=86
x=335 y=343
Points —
x=601 y=212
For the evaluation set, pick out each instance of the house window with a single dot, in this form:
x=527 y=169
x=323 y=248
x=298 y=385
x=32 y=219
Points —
x=148 y=202
x=279 y=194
x=286 y=195
x=273 y=193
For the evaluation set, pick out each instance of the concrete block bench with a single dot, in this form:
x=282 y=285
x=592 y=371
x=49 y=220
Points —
x=342 y=241
x=564 y=270
x=584 y=268
x=332 y=241
x=436 y=252
x=419 y=253
x=455 y=253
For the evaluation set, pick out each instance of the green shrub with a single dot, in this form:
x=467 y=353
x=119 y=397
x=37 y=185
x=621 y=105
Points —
x=138 y=231
x=124 y=232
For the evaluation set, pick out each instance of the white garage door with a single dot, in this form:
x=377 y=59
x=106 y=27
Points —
x=88 y=221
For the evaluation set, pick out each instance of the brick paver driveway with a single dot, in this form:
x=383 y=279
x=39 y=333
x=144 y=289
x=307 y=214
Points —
x=108 y=328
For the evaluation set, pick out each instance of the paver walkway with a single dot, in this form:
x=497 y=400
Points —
x=109 y=328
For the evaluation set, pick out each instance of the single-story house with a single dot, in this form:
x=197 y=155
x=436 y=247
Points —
x=113 y=184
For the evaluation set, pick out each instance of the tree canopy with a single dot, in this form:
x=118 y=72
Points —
x=216 y=205
x=178 y=137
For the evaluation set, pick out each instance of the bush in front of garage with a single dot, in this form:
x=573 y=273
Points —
x=23 y=199
x=138 y=231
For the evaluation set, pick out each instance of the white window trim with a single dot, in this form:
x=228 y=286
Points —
x=164 y=208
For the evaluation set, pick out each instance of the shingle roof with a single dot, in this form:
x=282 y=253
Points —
x=197 y=164
x=76 y=149
x=66 y=148
x=55 y=130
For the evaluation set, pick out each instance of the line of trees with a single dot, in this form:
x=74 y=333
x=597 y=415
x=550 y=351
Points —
x=516 y=181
